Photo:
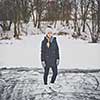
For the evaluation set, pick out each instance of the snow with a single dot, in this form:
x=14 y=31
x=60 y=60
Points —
x=74 y=53
x=28 y=85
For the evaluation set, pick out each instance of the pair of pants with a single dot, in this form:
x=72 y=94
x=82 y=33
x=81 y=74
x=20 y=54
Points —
x=46 y=72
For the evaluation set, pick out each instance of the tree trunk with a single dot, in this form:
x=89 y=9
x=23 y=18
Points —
x=75 y=17
x=34 y=20
x=9 y=26
x=94 y=32
x=98 y=16
x=94 y=38
x=39 y=20
x=18 y=28
x=84 y=25
x=15 y=30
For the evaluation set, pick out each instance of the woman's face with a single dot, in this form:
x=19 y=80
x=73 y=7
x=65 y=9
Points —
x=49 y=34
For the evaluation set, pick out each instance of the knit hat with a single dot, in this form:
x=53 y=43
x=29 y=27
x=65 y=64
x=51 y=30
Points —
x=49 y=30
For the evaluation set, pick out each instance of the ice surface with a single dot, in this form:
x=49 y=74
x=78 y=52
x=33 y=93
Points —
x=74 y=53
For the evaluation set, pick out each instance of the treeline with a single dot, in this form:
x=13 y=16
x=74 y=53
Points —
x=81 y=12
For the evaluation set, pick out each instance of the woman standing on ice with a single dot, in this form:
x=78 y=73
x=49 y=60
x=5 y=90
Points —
x=49 y=55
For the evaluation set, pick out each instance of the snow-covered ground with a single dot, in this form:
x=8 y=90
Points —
x=76 y=54
x=20 y=84
x=23 y=78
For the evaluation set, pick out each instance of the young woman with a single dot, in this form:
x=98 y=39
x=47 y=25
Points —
x=49 y=56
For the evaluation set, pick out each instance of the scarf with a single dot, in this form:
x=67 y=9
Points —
x=49 y=41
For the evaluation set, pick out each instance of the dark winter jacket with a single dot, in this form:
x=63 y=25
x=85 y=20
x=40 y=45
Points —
x=51 y=54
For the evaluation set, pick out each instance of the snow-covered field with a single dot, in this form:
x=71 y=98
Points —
x=74 y=54
x=27 y=84
x=21 y=73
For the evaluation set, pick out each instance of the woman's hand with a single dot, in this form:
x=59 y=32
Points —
x=43 y=64
x=57 y=62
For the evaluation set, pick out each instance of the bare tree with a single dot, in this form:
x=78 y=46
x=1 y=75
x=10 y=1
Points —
x=75 y=13
x=5 y=15
x=84 y=5
x=94 y=31
x=98 y=15
x=37 y=9
x=65 y=14
x=14 y=11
